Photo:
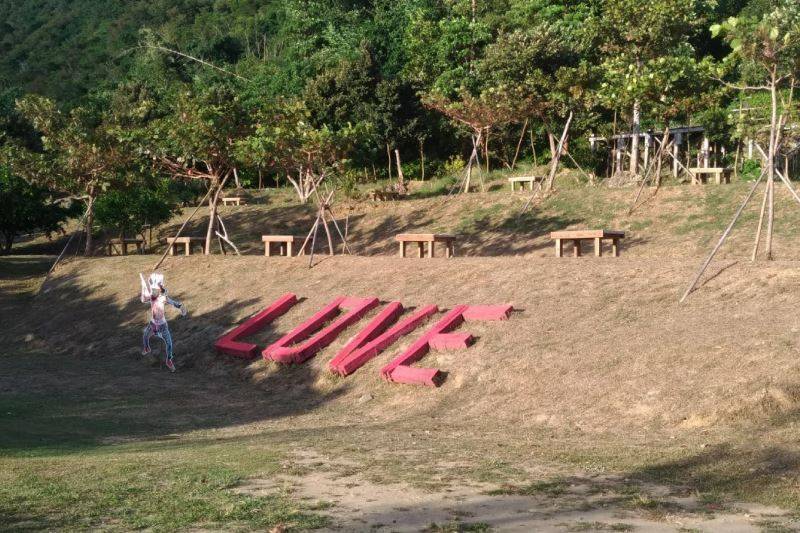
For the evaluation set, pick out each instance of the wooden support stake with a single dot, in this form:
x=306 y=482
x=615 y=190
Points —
x=519 y=144
x=760 y=225
x=647 y=173
x=722 y=239
x=557 y=158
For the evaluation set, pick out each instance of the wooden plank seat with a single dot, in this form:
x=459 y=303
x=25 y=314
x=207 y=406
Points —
x=430 y=238
x=173 y=243
x=123 y=245
x=233 y=200
x=597 y=235
x=699 y=174
x=285 y=244
x=522 y=180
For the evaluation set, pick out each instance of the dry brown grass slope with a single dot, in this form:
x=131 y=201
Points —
x=599 y=345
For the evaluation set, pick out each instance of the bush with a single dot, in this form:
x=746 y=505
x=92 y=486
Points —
x=125 y=211
x=26 y=208
x=452 y=167
x=751 y=169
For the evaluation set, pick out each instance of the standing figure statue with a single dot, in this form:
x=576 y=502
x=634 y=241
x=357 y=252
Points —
x=154 y=293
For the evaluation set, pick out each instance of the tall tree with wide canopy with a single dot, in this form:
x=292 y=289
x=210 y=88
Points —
x=79 y=156
x=285 y=140
x=646 y=50
x=189 y=134
x=765 y=52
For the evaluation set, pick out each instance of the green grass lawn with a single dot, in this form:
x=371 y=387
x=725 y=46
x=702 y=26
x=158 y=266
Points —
x=61 y=466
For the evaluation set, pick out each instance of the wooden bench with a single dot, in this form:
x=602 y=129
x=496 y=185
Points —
x=173 y=243
x=123 y=245
x=285 y=244
x=233 y=200
x=522 y=180
x=422 y=238
x=720 y=174
x=576 y=236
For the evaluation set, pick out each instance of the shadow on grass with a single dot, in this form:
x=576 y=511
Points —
x=66 y=386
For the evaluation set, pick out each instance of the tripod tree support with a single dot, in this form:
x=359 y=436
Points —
x=199 y=205
x=722 y=239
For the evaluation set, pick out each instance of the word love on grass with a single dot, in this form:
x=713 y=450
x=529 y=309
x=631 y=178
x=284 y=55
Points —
x=385 y=328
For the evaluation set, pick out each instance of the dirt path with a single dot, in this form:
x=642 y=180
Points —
x=576 y=503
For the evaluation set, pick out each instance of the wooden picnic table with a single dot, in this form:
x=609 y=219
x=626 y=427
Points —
x=285 y=244
x=123 y=245
x=233 y=200
x=430 y=239
x=720 y=174
x=173 y=243
x=597 y=235
x=522 y=180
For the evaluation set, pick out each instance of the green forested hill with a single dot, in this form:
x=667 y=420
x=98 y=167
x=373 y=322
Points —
x=62 y=48
x=65 y=48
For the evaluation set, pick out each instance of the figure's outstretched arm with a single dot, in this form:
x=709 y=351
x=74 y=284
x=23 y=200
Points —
x=145 y=294
x=178 y=305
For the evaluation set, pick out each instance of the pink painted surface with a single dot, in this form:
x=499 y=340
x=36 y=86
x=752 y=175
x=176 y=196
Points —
x=451 y=341
x=451 y=320
x=355 y=360
x=488 y=312
x=228 y=343
x=430 y=377
x=306 y=329
x=378 y=325
x=299 y=354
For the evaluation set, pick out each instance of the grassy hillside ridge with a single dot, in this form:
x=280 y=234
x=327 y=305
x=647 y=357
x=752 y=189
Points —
x=680 y=221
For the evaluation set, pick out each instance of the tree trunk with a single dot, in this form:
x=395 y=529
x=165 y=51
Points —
x=476 y=141
x=87 y=251
x=559 y=150
x=551 y=138
x=519 y=144
x=212 y=218
x=9 y=242
x=389 y=157
x=401 y=180
x=637 y=121
x=422 y=160
x=773 y=138
x=486 y=150
x=260 y=179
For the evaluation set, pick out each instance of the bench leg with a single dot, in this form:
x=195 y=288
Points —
x=448 y=250
x=188 y=248
x=430 y=249
x=171 y=248
x=576 y=248
x=289 y=246
x=598 y=247
x=559 y=248
x=615 y=247
x=420 y=249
